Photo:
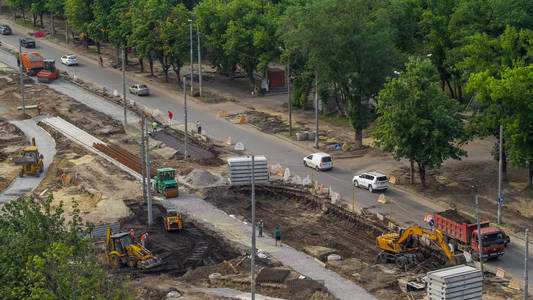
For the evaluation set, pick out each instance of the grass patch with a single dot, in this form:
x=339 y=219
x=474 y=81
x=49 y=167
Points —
x=336 y=119
x=25 y=23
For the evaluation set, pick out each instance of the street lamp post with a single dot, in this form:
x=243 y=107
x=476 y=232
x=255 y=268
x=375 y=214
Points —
x=199 y=62
x=190 y=35
x=21 y=79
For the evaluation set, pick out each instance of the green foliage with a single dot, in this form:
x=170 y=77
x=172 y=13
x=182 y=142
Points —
x=79 y=14
x=44 y=257
x=175 y=36
x=417 y=121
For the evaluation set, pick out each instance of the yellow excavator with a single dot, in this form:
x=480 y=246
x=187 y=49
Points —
x=403 y=248
x=120 y=249
x=31 y=161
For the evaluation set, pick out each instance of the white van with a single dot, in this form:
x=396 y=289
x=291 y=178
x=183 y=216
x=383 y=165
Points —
x=319 y=161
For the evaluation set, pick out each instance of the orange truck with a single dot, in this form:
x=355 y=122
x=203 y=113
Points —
x=34 y=64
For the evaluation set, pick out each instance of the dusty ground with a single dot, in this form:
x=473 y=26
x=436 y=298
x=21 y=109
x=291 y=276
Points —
x=12 y=141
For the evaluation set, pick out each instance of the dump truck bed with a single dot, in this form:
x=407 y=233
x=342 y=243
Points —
x=455 y=225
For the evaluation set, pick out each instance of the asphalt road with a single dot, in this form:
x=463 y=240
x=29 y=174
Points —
x=47 y=147
x=405 y=209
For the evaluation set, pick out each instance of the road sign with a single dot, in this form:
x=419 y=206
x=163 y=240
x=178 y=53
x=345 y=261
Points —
x=500 y=199
x=431 y=222
x=428 y=218
x=338 y=147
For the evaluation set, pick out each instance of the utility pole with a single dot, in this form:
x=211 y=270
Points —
x=289 y=90
x=526 y=288
x=500 y=164
x=143 y=160
x=199 y=61
x=149 y=183
x=353 y=198
x=479 y=238
x=190 y=35
x=21 y=79
x=253 y=229
x=124 y=86
x=316 y=110
x=185 y=113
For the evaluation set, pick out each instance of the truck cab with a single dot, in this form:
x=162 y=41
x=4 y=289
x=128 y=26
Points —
x=493 y=242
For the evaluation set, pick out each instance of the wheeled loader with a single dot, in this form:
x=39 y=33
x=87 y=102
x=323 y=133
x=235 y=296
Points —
x=30 y=160
x=120 y=249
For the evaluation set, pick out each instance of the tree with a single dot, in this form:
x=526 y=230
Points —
x=38 y=8
x=417 y=121
x=79 y=16
x=175 y=37
x=351 y=53
x=120 y=26
x=508 y=100
x=56 y=8
x=98 y=29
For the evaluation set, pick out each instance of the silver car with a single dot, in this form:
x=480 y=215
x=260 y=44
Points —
x=373 y=181
x=139 y=90
x=69 y=60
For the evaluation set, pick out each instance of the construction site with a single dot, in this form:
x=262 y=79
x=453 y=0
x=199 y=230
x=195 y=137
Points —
x=199 y=259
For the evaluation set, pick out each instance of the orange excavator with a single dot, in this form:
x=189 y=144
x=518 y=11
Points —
x=34 y=64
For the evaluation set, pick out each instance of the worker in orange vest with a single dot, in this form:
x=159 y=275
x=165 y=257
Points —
x=143 y=238
x=63 y=178
x=39 y=108
x=132 y=234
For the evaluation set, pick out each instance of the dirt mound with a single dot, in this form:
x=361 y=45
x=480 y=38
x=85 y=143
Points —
x=265 y=122
x=200 y=177
x=454 y=215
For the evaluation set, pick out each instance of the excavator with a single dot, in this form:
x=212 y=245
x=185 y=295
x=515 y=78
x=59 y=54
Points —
x=120 y=249
x=30 y=160
x=403 y=248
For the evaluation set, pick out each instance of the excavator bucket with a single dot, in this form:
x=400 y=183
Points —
x=150 y=263
x=458 y=259
x=171 y=193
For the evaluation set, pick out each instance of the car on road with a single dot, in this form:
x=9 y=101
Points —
x=27 y=43
x=373 y=181
x=5 y=29
x=319 y=161
x=69 y=60
x=139 y=90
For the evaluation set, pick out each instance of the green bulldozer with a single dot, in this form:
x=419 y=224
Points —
x=165 y=183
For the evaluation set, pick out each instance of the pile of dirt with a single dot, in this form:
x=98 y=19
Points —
x=181 y=251
x=454 y=215
x=265 y=122
x=201 y=178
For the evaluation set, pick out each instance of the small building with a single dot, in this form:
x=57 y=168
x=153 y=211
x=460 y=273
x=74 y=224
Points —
x=276 y=78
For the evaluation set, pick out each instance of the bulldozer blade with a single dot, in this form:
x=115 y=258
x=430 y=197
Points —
x=150 y=263
x=171 y=193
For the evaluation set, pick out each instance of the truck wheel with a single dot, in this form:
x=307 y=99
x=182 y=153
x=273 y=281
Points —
x=132 y=262
x=115 y=261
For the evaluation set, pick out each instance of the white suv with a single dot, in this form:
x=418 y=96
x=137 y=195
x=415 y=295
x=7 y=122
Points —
x=319 y=161
x=373 y=181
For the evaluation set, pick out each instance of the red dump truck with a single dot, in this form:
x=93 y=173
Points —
x=461 y=233
x=34 y=64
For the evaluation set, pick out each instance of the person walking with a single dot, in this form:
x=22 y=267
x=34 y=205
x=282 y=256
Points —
x=170 y=118
x=260 y=226
x=39 y=108
x=101 y=61
x=154 y=127
x=143 y=239
x=132 y=234
x=277 y=233
x=198 y=127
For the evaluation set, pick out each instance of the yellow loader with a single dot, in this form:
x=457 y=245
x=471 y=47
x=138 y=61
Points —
x=31 y=161
x=122 y=250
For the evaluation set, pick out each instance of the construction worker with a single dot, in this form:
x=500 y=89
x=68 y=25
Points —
x=132 y=234
x=277 y=233
x=154 y=127
x=39 y=108
x=169 y=118
x=260 y=226
x=143 y=239
x=63 y=178
x=198 y=127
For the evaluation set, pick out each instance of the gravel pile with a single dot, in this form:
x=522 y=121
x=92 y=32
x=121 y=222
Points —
x=199 y=177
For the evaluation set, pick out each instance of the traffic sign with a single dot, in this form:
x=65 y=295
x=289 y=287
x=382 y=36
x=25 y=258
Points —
x=428 y=218
x=431 y=222
x=500 y=199
x=338 y=147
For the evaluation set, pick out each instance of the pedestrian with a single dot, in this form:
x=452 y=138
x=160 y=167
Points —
x=198 y=127
x=277 y=233
x=169 y=118
x=260 y=226
x=132 y=234
x=101 y=61
x=143 y=239
x=39 y=108
x=154 y=127
x=63 y=177
x=18 y=59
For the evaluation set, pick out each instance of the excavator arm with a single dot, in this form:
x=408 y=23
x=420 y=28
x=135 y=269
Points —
x=437 y=236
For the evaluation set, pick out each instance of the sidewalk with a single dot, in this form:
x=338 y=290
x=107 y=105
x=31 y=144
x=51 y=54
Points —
x=239 y=232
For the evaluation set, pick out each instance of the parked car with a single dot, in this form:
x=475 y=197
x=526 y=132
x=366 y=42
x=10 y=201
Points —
x=69 y=60
x=506 y=239
x=5 y=29
x=139 y=90
x=319 y=161
x=27 y=43
x=373 y=181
